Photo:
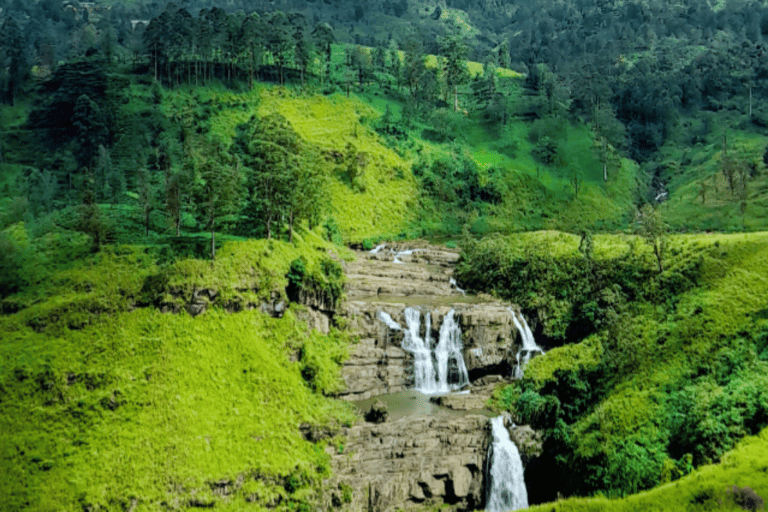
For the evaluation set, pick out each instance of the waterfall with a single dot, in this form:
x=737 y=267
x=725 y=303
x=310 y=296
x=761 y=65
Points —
x=423 y=367
x=439 y=368
x=384 y=317
x=403 y=253
x=450 y=361
x=529 y=345
x=376 y=249
x=454 y=284
x=505 y=486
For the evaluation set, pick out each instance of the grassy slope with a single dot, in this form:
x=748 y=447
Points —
x=102 y=405
x=334 y=126
x=700 y=194
x=704 y=489
x=699 y=355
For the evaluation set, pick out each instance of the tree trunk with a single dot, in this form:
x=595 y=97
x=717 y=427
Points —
x=658 y=256
x=290 y=227
x=213 y=243
x=456 y=98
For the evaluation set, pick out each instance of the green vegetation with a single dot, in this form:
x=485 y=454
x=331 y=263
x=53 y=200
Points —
x=106 y=405
x=707 y=488
x=217 y=159
x=652 y=373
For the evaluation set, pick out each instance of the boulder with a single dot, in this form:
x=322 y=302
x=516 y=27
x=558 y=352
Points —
x=377 y=413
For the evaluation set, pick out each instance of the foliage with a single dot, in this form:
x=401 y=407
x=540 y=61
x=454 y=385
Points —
x=101 y=415
x=103 y=398
x=660 y=373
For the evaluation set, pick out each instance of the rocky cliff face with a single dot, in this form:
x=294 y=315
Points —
x=434 y=458
x=379 y=283
x=416 y=462
x=412 y=462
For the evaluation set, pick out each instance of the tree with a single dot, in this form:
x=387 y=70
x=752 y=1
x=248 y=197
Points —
x=156 y=40
x=608 y=131
x=455 y=50
x=414 y=65
x=279 y=41
x=324 y=37
x=13 y=46
x=269 y=148
x=361 y=62
x=221 y=186
x=284 y=182
x=147 y=196
x=89 y=219
x=90 y=130
x=652 y=228
x=252 y=34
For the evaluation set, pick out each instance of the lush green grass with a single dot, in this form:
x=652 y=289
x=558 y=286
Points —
x=157 y=408
x=700 y=194
x=103 y=404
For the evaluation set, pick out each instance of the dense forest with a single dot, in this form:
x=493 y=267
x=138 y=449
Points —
x=154 y=150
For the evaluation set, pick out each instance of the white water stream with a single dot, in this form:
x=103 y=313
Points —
x=505 y=486
x=437 y=368
x=529 y=345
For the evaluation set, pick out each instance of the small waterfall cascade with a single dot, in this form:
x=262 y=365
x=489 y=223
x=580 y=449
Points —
x=529 y=345
x=384 y=317
x=403 y=253
x=397 y=254
x=450 y=361
x=505 y=487
x=455 y=285
x=423 y=367
x=438 y=368
x=378 y=248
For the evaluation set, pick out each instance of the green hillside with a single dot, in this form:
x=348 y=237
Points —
x=107 y=403
x=176 y=178
x=650 y=374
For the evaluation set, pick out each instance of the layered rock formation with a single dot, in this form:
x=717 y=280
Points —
x=428 y=458
x=412 y=462
x=380 y=283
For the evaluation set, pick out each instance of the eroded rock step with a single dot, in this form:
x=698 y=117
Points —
x=423 y=273
x=378 y=365
x=401 y=464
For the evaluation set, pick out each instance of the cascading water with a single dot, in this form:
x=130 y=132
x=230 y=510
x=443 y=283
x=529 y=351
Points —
x=454 y=284
x=529 y=345
x=384 y=317
x=376 y=249
x=403 y=253
x=505 y=487
x=437 y=369
x=423 y=368
x=450 y=361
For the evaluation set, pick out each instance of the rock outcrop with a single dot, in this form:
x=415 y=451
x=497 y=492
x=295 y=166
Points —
x=389 y=282
x=435 y=455
x=412 y=462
